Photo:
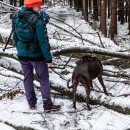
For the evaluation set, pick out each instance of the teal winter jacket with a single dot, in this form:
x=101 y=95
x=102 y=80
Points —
x=37 y=49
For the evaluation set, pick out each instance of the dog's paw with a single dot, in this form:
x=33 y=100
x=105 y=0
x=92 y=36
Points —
x=89 y=108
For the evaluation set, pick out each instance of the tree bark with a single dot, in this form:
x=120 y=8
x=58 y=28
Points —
x=113 y=25
x=21 y=2
x=70 y=3
x=95 y=10
x=90 y=6
x=109 y=8
x=103 y=18
x=76 y=5
x=121 y=11
x=129 y=18
x=11 y=2
x=85 y=9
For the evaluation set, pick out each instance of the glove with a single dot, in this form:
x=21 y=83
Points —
x=44 y=16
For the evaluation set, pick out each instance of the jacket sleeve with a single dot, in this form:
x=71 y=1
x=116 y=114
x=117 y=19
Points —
x=43 y=40
x=15 y=39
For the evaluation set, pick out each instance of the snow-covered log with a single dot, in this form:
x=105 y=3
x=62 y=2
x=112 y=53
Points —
x=95 y=50
x=7 y=6
x=67 y=92
x=16 y=127
x=81 y=98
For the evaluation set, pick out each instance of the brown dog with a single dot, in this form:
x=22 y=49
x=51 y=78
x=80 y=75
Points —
x=87 y=69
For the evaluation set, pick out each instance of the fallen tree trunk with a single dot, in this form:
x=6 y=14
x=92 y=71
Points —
x=66 y=92
x=80 y=98
x=105 y=72
x=123 y=63
x=8 y=6
x=94 y=50
x=101 y=51
x=16 y=127
x=13 y=56
x=115 y=74
x=76 y=36
x=110 y=61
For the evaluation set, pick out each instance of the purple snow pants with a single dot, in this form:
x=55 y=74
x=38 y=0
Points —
x=41 y=69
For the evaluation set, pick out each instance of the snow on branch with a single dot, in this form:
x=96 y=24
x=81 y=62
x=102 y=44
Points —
x=94 y=50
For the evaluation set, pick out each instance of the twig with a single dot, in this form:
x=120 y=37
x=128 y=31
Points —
x=100 y=40
x=67 y=61
x=54 y=35
x=8 y=90
x=125 y=81
x=58 y=74
x=64 y=66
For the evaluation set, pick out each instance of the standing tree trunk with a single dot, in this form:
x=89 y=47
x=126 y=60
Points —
x=103 y=25
x=99 y=7
x=80 y=3
x=15 y=2
x=113 y=24
x=11 y=2
x=85 y=9
x=109 y=8
x=95 y=10
x=76 y=4
x=121 y=11
x=21 y=2
x=129 y=17
x=90 y=6
x=70 y=3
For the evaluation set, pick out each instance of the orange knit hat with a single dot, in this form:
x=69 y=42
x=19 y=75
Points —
x=32 y=3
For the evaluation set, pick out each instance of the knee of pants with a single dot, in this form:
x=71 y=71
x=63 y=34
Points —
x=42 y=74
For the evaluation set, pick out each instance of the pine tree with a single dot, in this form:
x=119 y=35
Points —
x=85 y=9
x=109 y=8
x=129 y=17
x=103 y=25
x=113 y=24
x=21 y=2
x=95 y=10
x=121 y=11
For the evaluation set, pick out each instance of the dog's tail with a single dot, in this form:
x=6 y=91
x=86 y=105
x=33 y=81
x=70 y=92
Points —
x=69 y=87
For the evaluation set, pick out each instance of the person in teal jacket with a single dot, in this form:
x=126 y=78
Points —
x=38 y=47
x=32 y=44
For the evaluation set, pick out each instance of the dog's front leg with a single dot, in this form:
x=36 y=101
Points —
x=102 y=84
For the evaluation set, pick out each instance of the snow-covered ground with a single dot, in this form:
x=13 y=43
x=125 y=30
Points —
x=16 y=111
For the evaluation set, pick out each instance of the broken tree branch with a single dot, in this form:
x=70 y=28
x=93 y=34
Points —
x=74 y=35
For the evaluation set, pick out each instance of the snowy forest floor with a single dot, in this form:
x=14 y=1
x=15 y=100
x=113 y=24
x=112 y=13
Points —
x=15 y=114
